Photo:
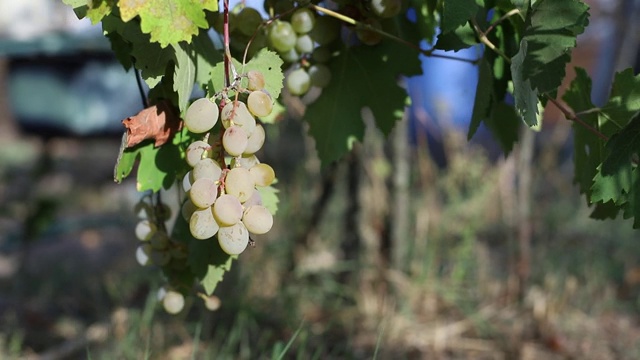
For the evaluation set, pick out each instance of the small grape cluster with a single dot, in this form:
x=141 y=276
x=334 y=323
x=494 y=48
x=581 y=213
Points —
x=156 y=247
x=303 y=41
x=225 y=201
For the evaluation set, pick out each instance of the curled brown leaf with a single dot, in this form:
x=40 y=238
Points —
x=157 y=122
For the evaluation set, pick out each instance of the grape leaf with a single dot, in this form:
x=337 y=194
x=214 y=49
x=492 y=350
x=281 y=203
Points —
x=269 y=196
x=456 y=13
x=618 y=178
x=156 y=122
x=363 y=76
x=588 y=148
x=463 y=37
x=168 y=22
x=208 y=262
x=504 y=124
x=525 y=95
x=157 y=166
x=483 y=100
x=95 y=10
x=267 y=62
x=551 y=28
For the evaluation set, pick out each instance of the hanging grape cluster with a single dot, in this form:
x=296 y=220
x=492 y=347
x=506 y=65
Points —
x=223 y=201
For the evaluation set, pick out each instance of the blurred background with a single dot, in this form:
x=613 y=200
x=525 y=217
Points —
x=419 y=246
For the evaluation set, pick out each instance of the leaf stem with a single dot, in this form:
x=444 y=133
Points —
x=570 y=115
x=362 y=25
x=504 y=17
x=482 y=36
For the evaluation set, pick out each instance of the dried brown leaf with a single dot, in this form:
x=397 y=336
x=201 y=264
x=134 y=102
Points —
x=157 y=122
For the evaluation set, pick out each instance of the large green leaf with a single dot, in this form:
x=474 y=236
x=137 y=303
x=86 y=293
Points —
x=362 y=76
x=168 y=22
x=551 y=29
x=456 y=13
x=95 y=10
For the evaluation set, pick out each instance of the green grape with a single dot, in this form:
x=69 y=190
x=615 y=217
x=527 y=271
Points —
x=173 y=302
x=203 y=192
x=239 y=183
x=142 y=254
x=195 y=151
x=278 y=6
x=218 y=23
x=259 y=103
x=321 y=54
x=298 y=82
x=201 y=116
x=206 y=168
x=254 y=199
x=187 y=180
x=304 y=44
x=257 y=219
x=248 y=20
x=187 y=210
x=256 y=80
x=245 y=161
x=369 y=37
x=234 y=140
x=159 y=240
x=303 y=20
x=143 y=210
x=290 y=56
x=386 y=8
x=238 y=115
x=281 y=36
x=160 y=257
x=233 y=239
x=320 y=75
x=202 y=224
x=145 y=229
x=262 y=174
x=255 y=141
x=326 y=30
x=227 y=210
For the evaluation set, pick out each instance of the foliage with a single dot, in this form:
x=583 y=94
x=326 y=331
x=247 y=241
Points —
x=525 y=50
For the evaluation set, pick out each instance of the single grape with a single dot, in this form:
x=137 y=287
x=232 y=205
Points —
x=326 y=30
x=178 y=252
x=203 y=192
x=263 y=174
x=201 y=116
x=257 y=219
x=218 y=23
x=233 y=239
x=159 y=240
x=259 y=103
x=370 y=37
x=290 y=56
x=248 y=20
x=212 y=303
x=254 y=199
x=227 y=210
x=298 y=82
x=304 y=44
x=202 y=224
x=160 y=257
x=142 y=254
x=386 y=8
x=195 y=151
x=321 y=54
x=256 y=80
x=320 y=75
x=145 y=229
x=236 y=113
x=143 y=210
x=303 y=20
x=187 y=180
x=187 y=210
x=206 y=168
x=239 y=183
x=281 y=36
x=245 y=161
x=255 y=141
x=234 y=140
x=173 y=302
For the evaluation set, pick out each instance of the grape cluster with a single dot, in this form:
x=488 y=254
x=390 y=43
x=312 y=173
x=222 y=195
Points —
x=156 y=247
x=224 y=201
